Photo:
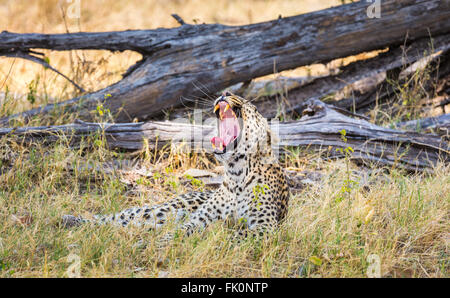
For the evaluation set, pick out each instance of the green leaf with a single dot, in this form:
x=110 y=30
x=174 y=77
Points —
x=315 y=260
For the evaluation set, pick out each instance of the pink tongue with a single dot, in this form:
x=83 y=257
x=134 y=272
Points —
x=227 y=130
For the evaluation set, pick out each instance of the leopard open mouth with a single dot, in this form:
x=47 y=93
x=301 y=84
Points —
x=228 y=127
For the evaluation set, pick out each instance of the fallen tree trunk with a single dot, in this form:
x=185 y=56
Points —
x=215 y=56
x=319 y=128
x=382 y=95
x=373 y=68
x=366 y=81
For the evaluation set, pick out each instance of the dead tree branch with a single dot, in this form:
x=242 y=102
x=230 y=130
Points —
x=28 y=56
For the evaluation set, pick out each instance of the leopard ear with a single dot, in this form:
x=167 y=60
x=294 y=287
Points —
x=236 y=100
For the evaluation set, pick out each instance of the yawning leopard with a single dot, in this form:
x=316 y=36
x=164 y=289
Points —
x=254 y=190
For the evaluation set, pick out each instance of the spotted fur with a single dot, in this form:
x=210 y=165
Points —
x=254 y=191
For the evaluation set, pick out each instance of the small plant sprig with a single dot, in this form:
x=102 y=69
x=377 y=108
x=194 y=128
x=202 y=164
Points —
x=172 y=181
x=196 y=183
x=257 y=190
x=348 y=182
x=101 y=111
x=32 y=91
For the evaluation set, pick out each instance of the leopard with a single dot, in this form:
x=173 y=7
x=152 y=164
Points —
x=254 y=192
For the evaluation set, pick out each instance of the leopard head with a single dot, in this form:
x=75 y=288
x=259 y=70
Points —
x=241 y=129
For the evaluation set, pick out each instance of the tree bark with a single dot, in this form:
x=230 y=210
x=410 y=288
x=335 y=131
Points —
x=319 y=128
x=363 y=78
x=383 y=93
x=390 y=61
x=216 y=56
x=440 y=124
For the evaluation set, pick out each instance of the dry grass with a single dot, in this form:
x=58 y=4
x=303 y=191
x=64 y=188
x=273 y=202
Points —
x=401 y=218
x=404 y=219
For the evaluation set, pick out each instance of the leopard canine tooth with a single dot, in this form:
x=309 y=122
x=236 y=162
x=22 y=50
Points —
x=216 y=107
x=226 y=108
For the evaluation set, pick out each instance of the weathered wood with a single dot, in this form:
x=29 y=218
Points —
x=363 y=78
x=439 y=124
x=397 y=58
x=413 y=151
x=319 y=128
x=384 y=93
x=216 y=56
